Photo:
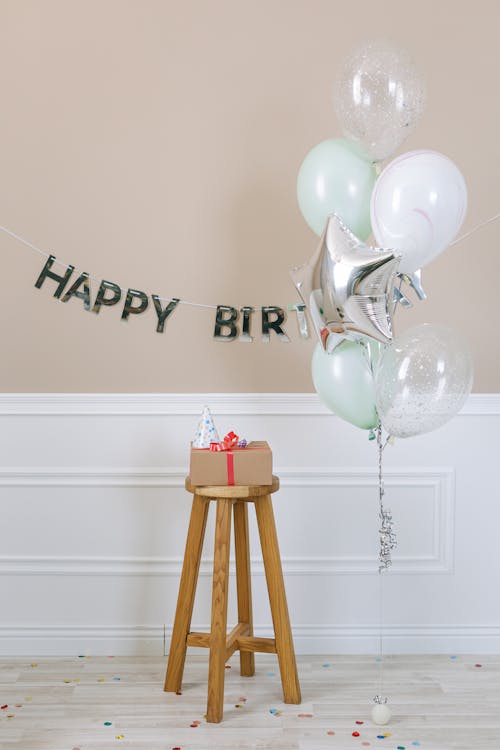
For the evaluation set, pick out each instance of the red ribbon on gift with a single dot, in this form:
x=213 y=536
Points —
x=230 y=441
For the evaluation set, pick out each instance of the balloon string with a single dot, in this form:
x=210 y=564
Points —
x=91 y=278
x=387 y=544
x=474 y=229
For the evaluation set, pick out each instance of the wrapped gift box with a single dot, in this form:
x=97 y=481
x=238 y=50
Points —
x=251 y=465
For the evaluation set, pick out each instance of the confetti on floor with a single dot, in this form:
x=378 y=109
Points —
x=355 y=734
x=478 y=665
x=453 y=657
x=305 y=716
x=5 y=706
x=380 y=736
x=416 y=744
x=331 y=732
x=120 y=737
x=360 y=722
x=108 y=723
x=366 y=744
x=34 y=665
x=327 y=664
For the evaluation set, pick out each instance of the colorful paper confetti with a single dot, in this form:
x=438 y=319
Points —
x=331 y=732
x=119 y=736
x=326 y=664
x=355 y=734
x=360 y=722
x=108 y=723
x=478 y=665
x=305 y=716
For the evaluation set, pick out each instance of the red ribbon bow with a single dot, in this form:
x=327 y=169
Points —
x=230 y=441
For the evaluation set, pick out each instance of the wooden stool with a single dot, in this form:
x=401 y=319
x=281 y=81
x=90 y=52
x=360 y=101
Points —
x=241 y=638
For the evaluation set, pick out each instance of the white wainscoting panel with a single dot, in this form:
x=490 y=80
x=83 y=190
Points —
x=94 y=516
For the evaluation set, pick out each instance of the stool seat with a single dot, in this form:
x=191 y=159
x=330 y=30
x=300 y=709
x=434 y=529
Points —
x=232 y=501
x=237 y=492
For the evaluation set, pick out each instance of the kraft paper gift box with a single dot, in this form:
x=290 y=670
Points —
x=251 y=465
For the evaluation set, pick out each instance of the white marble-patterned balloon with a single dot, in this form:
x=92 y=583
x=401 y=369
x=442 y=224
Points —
x=379 y=97
x=422 y=380
x=418 y=205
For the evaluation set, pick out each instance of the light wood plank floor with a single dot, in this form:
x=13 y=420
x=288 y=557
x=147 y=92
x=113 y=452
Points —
x=439 y=703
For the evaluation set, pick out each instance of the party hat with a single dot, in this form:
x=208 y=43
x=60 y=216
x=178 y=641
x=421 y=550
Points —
x=206 y=432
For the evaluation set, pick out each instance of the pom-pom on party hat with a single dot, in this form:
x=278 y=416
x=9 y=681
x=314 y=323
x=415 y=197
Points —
x=206 y=432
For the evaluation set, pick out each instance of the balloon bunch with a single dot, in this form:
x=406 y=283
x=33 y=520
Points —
x=414 y=206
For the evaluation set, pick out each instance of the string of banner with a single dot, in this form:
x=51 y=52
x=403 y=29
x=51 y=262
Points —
x=231 y=323
x=109 y=293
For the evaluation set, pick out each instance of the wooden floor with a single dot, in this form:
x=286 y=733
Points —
x=439 y=703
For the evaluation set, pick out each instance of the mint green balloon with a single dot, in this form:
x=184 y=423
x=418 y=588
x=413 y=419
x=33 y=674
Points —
x=344 y=382
x=336 y=177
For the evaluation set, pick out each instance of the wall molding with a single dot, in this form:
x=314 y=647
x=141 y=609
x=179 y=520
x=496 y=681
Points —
x=440 y=479
x=158 y=404
x=308 y=638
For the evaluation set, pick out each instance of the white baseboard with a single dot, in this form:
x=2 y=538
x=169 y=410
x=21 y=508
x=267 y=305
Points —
x=309 y=639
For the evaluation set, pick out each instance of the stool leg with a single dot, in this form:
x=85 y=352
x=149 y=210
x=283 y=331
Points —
x=187 y=590
x=277 y=599
x=243 y=581
x=217 y=661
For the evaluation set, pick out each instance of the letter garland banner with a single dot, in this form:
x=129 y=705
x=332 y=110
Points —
x=227 y=325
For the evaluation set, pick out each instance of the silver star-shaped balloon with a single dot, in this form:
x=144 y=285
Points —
x=348 y=286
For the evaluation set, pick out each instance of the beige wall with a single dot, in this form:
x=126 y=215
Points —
x=156 y=144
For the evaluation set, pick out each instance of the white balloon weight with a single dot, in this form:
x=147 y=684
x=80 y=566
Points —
x=381 y=714
x=417 y=207
x=422 y=380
